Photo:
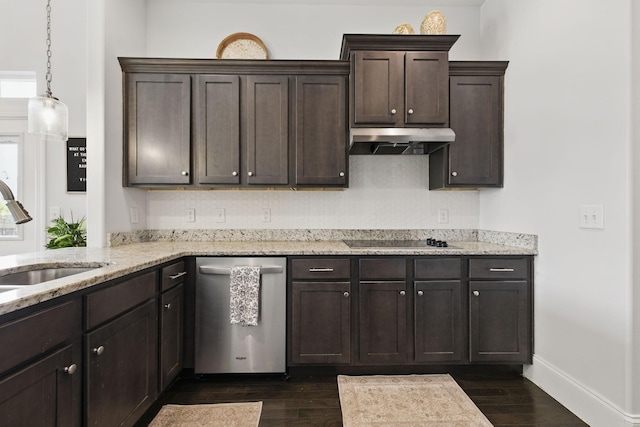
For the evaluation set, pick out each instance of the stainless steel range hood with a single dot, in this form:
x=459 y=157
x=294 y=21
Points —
x=399 y=140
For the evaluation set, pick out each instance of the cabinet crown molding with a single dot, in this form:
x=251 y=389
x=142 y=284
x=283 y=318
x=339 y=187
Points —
x=232 y=66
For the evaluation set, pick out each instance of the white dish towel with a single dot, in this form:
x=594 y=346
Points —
x=245 y=295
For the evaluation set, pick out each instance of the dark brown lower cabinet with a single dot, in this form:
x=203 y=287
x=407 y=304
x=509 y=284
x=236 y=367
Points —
x=438 y=327
x=42 y=393
x=171 y=334
x=320 y=322
x=383 y=322
x=122 y=368
x=499 y=321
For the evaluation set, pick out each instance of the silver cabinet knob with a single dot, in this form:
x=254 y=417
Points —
x=402 y=293
x=167 y=306
x=476 y=293
x=250 y=174
x=346 y=294
x=234 y=173
x=410 y=111
x=393 y=111
x=184 y=173
x=98 y=350
x=454 y=173
x=71 y=369
x=341 y=174
x=420 y=293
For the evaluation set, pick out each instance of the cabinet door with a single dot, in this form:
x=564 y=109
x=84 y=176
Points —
x=267 y=130
x=499 y=321
x=218 y=129
x=320 y=322
x=157 y=129
x=378 y=87
x=383 y=322
x=427 y=88
x=321 y=130
x=475 y=158
x=438 y=321
x=42 y=394
x=171 y=334
x=122 y=368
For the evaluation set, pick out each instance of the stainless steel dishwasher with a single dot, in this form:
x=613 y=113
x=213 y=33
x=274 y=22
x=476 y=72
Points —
x=225 y=348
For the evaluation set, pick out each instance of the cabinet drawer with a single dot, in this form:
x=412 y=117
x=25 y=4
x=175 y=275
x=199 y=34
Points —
x=37 y=333
x=321 y=268
x=110 y=302
x=437 y=268
x=498 y=268
x=383 y=268
x=172 y=275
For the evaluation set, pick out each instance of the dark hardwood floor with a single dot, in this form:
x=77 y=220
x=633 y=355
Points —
x=506 y=399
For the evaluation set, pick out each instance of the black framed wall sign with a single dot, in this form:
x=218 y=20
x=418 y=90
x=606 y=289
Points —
x=77 y=165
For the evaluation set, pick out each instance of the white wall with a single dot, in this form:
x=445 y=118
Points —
x=23 y=48
x=195 y=28
x=634 y=361
x=568 y=143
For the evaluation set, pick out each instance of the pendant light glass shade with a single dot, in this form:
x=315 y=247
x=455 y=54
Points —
x=48 y=116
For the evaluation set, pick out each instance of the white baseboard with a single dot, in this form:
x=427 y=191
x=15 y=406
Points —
x=588 y=405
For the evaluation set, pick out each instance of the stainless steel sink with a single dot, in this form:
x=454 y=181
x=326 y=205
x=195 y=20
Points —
x=33 y=277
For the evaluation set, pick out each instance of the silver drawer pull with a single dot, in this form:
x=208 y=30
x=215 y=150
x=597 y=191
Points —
x=320 y=270
x=71 y=369
x=502 y=270
x=420 y=293
x=264 y=269
x=346 y=294
x=175 y=276
x=402 y=293
x=98 y=350
x=168 y=306
x=476 y=293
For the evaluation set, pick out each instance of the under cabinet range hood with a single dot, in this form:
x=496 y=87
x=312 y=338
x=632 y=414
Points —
x=399 y=140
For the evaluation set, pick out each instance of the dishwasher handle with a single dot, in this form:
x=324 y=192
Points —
x=225 y=271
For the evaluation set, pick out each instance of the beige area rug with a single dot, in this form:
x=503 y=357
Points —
x=408 y=401
x=245 y=414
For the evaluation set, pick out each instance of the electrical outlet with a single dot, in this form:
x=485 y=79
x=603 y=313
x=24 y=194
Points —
x=191 y=215
x=134 y=216
x=443 y=216
x=219 y=215
x=54 y=212
x=266 y=215
x=592 y=216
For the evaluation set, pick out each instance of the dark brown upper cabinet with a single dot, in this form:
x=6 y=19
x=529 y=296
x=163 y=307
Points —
x=476 y=100
x=157 y=129
x=255 y=123
x=321 y=130
x=398 y=80
x=242 y=141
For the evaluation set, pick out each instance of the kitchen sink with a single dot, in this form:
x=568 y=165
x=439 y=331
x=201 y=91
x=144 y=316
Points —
x=33 y=277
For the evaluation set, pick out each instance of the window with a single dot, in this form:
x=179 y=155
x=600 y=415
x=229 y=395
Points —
x=9 y=174
x=18 y=84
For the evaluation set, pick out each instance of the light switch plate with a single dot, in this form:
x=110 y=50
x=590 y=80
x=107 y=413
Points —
x=592 y=216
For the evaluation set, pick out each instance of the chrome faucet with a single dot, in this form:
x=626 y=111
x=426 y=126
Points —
x=18 y=212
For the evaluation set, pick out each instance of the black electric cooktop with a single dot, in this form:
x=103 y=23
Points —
x=400 y=244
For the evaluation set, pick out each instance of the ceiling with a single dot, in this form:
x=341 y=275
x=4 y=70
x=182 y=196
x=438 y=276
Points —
x=431 y=3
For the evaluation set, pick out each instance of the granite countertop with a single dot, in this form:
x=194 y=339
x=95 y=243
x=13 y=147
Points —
x=114 y=262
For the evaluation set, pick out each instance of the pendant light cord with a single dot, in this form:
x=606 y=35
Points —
x=48 y=75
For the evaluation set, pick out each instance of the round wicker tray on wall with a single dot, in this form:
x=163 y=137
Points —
x=242 y=46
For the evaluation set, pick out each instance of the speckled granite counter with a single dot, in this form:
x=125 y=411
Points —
x=121 y=260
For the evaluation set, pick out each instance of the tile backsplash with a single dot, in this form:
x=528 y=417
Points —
x=385 y=192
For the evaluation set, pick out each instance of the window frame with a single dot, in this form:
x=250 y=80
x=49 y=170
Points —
x=18 y=139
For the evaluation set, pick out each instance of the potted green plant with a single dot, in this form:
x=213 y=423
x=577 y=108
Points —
x=63 y=234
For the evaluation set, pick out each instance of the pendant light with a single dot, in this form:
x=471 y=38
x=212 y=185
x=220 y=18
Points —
x=47 y=115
